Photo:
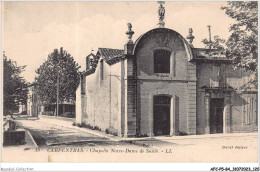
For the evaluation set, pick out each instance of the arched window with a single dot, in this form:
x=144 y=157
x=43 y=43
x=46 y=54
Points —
x=162 y=61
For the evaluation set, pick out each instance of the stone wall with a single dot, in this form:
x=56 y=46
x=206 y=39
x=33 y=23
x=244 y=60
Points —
x=101 y=104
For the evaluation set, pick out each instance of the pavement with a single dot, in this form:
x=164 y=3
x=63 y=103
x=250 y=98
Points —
x=67 y=122
x=58 y=133
x=49 y=134
x=59 y=130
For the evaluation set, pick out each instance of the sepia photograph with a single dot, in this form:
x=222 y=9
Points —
x=129 y=81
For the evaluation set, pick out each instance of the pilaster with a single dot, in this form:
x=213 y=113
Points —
x=227 y=114
x=207 y=112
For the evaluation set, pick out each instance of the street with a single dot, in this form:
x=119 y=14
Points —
x=59 y=141
x=48 y=134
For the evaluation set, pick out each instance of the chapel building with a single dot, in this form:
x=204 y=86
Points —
x=162 y=85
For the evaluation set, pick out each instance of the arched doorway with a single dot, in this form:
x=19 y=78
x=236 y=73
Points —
x=161 y=115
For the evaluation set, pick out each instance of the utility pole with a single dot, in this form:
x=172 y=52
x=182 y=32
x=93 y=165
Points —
x=58 y=83
x=58 y=91
x=56 y=65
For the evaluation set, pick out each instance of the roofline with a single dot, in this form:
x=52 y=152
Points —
x=156 y=29
x=254 y=91
x=213 y=49
x=110 y=60
x=206 y=60
x=115 y=60
x=88 y=72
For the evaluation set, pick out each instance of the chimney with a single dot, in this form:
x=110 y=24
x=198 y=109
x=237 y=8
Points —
x=209 y=37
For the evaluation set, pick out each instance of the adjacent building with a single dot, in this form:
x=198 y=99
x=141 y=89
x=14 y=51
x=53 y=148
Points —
x=35 y=107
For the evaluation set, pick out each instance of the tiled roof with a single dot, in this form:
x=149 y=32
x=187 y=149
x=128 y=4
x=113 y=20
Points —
x=108 y=53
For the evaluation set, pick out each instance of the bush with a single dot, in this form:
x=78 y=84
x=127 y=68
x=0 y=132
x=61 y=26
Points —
x=142 y=135
x=112 y=131
x=68 y=114
x=182 y=133
x=97 y=128
x=89 y=126
x=48 y=113
x=79 y=125
x=83 y=125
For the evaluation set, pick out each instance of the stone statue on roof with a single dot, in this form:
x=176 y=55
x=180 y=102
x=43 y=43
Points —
x=161 y=12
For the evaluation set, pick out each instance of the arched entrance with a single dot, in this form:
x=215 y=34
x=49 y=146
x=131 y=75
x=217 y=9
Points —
x=161 y=115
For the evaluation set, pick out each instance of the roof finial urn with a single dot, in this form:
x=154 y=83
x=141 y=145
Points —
x=130 y=32
x=190 y=37
x=161 y=12
x=130 y=44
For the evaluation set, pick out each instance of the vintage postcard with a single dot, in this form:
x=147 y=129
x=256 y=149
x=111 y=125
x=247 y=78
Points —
x=165 y=81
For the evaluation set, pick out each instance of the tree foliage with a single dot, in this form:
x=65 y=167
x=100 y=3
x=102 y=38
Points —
x=242 y=44
x=217 y=44
x=59 y=64
x=15 y=87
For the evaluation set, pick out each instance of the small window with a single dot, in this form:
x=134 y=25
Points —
x=162 y=61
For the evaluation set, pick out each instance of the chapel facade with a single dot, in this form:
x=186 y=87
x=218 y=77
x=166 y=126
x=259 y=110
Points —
x=162 y=85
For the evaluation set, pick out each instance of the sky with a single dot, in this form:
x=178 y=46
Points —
x=32 y=30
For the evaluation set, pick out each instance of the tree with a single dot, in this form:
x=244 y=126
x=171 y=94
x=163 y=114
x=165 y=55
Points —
x=217 y=45
x=242 y=44
x=58 y=77
x=15 y=87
